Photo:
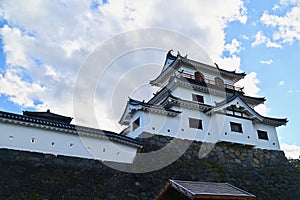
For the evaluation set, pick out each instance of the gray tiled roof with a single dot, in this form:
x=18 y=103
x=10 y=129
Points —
x=206 y=190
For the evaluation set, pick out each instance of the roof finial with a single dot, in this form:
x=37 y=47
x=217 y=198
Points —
x=217 y=65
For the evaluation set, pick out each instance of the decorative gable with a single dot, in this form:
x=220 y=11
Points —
x=236 y=106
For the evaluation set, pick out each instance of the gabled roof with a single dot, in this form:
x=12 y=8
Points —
x=49 y=116
x=134 y=105
x=236 y=100
x=202 y=190
x=42 y=123
x=233 y=74
x=174 y=66
x=253 y=100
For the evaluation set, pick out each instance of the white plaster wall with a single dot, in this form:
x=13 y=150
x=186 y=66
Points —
x=155 y=123
x=192 y=133
x=139 y=130
x=273 y=142
x=247 y=137
x=216 y=128
x=162 y=124
x=54 y=142
x=177 y=126
x=186 y=93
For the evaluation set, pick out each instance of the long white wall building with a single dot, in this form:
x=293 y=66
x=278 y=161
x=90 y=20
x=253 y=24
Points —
x=49 y=133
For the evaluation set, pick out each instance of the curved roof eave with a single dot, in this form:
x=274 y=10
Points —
x=199 y=66
x=274 y=121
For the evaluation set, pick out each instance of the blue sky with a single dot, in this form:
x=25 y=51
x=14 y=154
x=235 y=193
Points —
x=44 y=44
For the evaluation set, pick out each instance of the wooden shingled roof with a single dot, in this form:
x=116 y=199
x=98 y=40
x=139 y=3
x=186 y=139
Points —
x=184 y=190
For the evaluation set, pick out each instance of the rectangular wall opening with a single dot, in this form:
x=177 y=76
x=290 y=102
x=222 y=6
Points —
x=263 y=135
x=136 y=124
x=236 y=127
x=195 y=123
x=198 y=98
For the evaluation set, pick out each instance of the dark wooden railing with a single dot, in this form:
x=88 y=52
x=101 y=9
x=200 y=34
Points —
x=220 y=84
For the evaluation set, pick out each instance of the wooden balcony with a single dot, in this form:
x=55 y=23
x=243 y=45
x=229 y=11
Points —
x=218 y=82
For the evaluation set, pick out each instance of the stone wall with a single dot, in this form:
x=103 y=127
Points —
x=266 y=174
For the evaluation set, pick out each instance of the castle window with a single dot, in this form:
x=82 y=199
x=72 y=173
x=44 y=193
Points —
x=263 y=135
x=198 y=98
x=136 y=124
x=195 y=123
x=236 y=127
x=219 y=82
x=199 y=77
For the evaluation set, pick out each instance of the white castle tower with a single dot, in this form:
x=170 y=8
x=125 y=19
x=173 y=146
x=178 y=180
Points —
x=198 y=101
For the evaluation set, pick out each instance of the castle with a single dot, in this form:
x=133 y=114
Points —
x=196 y=101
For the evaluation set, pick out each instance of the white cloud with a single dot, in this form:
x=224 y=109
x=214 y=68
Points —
x=234 y=47
x=293 y=91
x=276 y=7
x=288 y=2
x=245 y=37
x=262 y=109
x=273 y=44
x=230 y=63
x=287 y=26
x=48 y=40
x=267 y=62
x=71 y=46
x=281 y=83
x=19 y=91
x=16 y=54
x=260 y=38
x=291 y=151
x=250 y=84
